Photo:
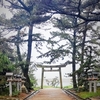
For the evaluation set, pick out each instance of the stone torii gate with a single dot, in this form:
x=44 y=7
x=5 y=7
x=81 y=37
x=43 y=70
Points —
x=51 y=68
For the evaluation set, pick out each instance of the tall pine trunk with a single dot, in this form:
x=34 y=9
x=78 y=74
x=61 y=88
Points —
x=82 y=54
x=26 y=69
x=73 y=61
x=73 y=57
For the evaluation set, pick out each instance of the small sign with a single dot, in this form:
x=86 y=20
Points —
x=9 y=74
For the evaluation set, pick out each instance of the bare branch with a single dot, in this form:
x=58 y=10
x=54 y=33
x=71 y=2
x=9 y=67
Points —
x=14 y=5
x=24 y=6
x=79 y=4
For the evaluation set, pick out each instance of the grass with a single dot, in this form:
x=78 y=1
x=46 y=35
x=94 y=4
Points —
x=37 y=88
x=47 y=87
x=50 y=87
x=68 y=87
x=65 y=87
x=85 y=95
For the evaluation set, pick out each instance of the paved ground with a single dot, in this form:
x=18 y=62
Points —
x=51 y=94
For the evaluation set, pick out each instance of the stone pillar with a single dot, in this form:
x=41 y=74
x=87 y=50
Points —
x=42 y=78
x=17 y=85
x=90 y=86
x=95 y=86
x=10 y=88
x=60 y=77
x=20 y=84
x=9 y=79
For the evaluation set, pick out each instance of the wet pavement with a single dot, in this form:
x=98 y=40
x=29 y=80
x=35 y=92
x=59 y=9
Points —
x=51 y=94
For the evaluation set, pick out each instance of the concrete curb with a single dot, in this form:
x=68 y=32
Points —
x=31 y=94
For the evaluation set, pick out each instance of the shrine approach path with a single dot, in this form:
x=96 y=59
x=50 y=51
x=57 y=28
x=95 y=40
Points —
x=51 y=94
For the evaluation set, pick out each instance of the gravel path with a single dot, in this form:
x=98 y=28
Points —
x=51 y=94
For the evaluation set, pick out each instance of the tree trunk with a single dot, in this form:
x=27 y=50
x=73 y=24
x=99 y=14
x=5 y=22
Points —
x=73 y=57
x=82 y=53
x=83 y=45
x=29 y=44
x=73 y=62
x=17 y=46
x=18 y=50
x=26 y=69
x=27 y=81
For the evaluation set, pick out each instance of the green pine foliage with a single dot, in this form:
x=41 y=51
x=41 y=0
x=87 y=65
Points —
x=5 y=63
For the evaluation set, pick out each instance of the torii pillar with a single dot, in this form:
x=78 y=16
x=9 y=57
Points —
x=51 y=69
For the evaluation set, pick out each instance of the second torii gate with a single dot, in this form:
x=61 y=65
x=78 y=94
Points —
x=51 y=68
